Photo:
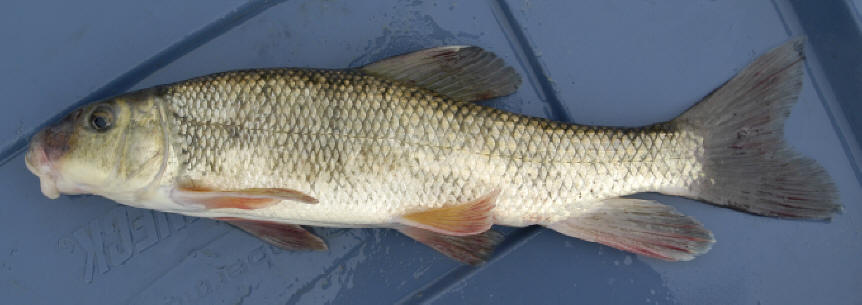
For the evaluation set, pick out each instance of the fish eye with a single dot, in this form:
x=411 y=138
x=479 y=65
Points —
x=101 y=119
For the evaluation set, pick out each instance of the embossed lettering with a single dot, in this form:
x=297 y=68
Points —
x=89 y=238
x=143 y=226
x=162 y=226
x=177 y=221
x=118 y=237
x=113 y=239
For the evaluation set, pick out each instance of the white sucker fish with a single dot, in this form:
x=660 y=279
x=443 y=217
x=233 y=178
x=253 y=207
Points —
x=401 y=144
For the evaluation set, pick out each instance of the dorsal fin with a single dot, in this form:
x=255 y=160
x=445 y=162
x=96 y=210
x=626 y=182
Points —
x=463 y=73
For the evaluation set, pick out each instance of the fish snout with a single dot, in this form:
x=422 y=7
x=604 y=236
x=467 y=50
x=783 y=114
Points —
x=54 y=139
x=46 y=149
x=35 y=157
x=38 y=163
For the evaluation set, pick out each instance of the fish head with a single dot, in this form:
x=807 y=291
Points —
x=115 y=148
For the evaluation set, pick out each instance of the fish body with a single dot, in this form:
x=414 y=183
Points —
x=371 y=150
x=400 y=144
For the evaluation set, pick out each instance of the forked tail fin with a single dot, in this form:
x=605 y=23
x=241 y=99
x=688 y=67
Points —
x=747 y=165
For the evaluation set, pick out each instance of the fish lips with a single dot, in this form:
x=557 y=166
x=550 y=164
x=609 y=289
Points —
x=46 y=148
x=38 y=163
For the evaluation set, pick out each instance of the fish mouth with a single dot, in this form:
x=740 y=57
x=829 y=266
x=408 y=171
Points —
x=39 y=164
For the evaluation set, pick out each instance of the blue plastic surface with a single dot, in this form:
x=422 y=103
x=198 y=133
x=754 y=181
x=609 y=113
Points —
x=594 y=61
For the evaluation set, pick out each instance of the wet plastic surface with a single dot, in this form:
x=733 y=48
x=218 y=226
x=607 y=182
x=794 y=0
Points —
x=595 y=62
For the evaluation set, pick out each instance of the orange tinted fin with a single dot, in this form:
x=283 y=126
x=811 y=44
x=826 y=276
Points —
x=285 y=236
x=247 y=199
x=473 y=249
x=457 y=220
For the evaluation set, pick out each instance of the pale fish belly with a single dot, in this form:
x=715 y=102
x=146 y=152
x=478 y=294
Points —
x=371 y=150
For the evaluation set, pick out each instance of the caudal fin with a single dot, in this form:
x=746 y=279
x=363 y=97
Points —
x=747 y=165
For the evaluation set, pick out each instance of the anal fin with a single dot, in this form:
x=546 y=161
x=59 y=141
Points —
x=464 y=219
x=640 y=226
x=285 y=236
x=473 y=249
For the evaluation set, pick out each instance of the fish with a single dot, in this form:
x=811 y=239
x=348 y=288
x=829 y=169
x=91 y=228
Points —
x=402 y=143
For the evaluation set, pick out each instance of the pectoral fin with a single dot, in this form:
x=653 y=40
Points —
x=285 y=236
x=247 y=199
x=473 y=249
x=465 y=219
